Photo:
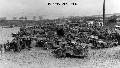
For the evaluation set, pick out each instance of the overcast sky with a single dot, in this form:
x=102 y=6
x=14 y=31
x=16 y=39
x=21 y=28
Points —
x=29 y=8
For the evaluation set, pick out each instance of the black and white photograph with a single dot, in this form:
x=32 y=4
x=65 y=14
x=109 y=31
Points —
x=59 y=33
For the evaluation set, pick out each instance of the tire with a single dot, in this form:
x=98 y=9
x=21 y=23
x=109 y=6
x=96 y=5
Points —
x=49 y=46
x=102 y=45
x=58 y=53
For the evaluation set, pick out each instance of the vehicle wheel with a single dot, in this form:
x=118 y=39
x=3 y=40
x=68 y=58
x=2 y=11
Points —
x=58 y=53
x=115 y=44
x=102 y=45
x=49 y=45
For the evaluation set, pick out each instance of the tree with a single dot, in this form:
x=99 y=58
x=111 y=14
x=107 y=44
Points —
x=14 y=18
x=40 y=17
x=34 y=18
x=112 y=19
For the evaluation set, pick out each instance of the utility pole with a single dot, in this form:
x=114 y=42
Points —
x=104 y=12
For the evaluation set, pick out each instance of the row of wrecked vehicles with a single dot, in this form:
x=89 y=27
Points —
x=65 y=40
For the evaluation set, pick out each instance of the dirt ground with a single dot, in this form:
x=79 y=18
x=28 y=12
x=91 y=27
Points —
x=38 y=58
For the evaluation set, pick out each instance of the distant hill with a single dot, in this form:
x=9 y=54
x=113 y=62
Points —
x=107 y=15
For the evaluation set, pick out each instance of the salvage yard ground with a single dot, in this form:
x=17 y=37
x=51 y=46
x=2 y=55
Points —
x=38 y=58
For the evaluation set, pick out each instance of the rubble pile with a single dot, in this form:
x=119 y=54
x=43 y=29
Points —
x=63 y=39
